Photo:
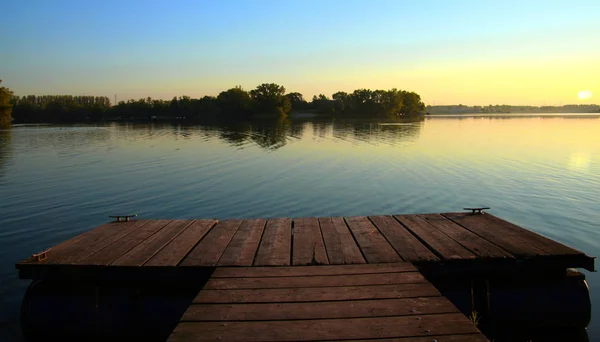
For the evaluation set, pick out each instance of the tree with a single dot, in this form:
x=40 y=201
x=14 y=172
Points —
x=392 y=101
x=341 y=101
x=269 y=99
x=5 y=106
x=297 y=101
x=411 y=103
x=323 y=105
x=235 y=102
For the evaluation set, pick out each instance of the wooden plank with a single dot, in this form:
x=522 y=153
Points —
x=495 y=235
x=88 y=243
x=300 y=271
x=445 y=338
x=318 y=310
x=171 y=254
x=309 y=248
x=476 y=244
x=314 y=281
x=441 y=243
x=405 y=244
x=339 y=243
x=330 y=329
x=244 y=245
x=276 y=244
x=373 y=245
x=315 y=294
x=141 y=253
x=497 y=224
x=115 y=250
x=208 y=251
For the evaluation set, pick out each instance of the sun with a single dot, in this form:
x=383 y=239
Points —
x=584 y=94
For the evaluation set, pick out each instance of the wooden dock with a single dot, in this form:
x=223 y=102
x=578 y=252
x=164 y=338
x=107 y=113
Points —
x=319 y=303
x=456 y=240
x=315 y=278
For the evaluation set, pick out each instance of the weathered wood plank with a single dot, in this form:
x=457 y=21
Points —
x=244 y=245
x=539 y=241
x=209 y=250
x=330 y=329
x=405 y=244
x=373 y=245
x=315 y=294
x=309 y=248
x=141 y=253
x=171 y=254
x=300 y=271
x=476 y=244
x=445 y=338
x=314 y=281
x=495 y=234
x=318 y=310
x=340 y=245
x=118 y=248
x=86 y=244
x=276 y=244
x=441 y=243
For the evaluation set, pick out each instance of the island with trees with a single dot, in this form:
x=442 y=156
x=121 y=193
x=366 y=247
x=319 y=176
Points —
x=267 y=100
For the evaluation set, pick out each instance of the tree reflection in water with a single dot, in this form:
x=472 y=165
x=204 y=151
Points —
x=274 y=134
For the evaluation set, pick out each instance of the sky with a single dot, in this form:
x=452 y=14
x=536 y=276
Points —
x=524 y=52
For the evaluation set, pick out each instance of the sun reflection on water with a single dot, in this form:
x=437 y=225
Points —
x=580 y=161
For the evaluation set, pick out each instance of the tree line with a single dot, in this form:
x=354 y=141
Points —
x=374 y=103
x=59 y=108
x=5 y=106
x=267 y=100
x=462 y=109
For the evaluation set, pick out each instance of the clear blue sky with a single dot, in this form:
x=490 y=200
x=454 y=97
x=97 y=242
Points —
x=470 y=52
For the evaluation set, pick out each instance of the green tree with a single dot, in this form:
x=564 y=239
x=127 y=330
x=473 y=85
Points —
x=297 y=101
x=5 y=106
x=411 y=103
x=392 y=101
x=323 y=105
x=342 y=101
x=269 y=99
x=234 y=102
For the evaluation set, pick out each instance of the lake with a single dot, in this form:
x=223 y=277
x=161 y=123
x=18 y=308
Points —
x=540 y=172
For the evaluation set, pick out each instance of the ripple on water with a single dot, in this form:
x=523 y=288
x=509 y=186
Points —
x=56 y=183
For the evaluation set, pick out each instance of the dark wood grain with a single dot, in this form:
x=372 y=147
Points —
x=209 y=250
x=339 y=243
x=373 y=245
x=330 y=329
x=118 y=248
x=315 y=281
x=309 y=248
x=441 y=243
x=497 y=224
x=314 y=294
x=141 y=253
x=300 y=271
x=478 y=337
x=88 y=243
x=171 y=254
x=476 y=244
x=496 y=235
x=318 y=310
x=405 y=244
x=244 y=244
x=276 y=244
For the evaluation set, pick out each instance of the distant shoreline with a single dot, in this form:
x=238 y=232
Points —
x=507 y=109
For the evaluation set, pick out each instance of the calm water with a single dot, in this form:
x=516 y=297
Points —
x=56 y=182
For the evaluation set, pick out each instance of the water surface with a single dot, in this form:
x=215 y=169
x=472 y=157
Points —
x=541 y=172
